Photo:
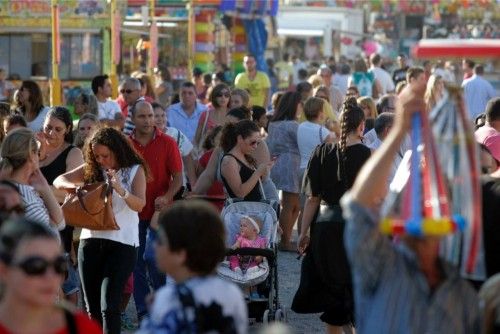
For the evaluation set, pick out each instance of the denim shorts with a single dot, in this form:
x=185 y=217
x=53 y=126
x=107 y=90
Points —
x=72 y=282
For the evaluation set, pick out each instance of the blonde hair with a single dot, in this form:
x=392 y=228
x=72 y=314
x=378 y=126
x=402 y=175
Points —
x=259 y=222
x=315 y=80
x=313 y=107
x=430 y=96
x=243 y=94
x=16 y=149
x=368 y=101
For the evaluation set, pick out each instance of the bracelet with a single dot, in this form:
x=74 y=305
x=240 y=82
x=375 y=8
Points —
x=125 y=195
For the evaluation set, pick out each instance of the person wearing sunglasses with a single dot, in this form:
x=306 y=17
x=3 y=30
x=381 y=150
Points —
x=214 y=115
x=240 y=176
x=32 y=269
x=131 y=93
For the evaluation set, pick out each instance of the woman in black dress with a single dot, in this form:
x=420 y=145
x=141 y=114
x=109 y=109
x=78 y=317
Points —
x=326 y=279
x=240 y=175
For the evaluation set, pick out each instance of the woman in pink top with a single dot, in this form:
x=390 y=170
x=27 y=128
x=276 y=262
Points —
x=214 y=116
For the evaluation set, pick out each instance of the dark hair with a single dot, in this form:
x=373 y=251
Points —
x=155 y=105
x=196 y=228
x=478 y=69
x=207 y=78
x=470 y=63
x=258 y=112
x=383 y=103
x=231 y=131
x=375 y=59
x=15 y=232
x=164 y=73
x=383 y=121
x=492 y=109
x=197 y=72
x=90 y=101
x=16 y=119
x=350 y=118
x=304 y=87
x=287 y=107
x=123 y=151
x=63 y=114
x=36 y=97
x=302 y=74
x=413 y=73
x=240 y=113
x=188 y=84
x=216 y=91
x=98 y=81
x=209 y=142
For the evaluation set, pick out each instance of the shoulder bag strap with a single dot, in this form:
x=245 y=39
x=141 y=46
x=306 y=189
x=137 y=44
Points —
x=70 y=322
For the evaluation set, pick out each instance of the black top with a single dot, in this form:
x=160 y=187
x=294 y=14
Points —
x=323 y=171
x=399 y=75
x=491 y=223
x=56 y=167
x=245 y=173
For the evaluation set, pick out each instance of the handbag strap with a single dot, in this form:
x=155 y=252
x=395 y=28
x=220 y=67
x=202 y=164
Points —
x=106 y=193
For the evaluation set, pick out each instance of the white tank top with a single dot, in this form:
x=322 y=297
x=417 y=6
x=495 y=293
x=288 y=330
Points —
x=126 y=218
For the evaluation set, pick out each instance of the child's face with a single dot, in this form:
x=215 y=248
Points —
x=247 y=229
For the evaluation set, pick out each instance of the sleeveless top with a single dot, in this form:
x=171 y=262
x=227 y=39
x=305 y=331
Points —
x=125 y=217
x=245 y=173
x=56 y=167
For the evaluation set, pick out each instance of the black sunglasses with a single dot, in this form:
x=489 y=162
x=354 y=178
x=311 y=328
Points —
x=37 y=266
x=223 y=94
x=127 y=91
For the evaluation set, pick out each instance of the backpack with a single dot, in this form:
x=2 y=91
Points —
x=364 y=82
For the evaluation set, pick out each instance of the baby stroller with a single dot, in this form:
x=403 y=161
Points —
x=265 y=277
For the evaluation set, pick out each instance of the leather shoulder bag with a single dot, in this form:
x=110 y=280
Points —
x=90 y=206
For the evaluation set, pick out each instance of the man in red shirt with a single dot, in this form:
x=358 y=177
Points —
x=165 y=164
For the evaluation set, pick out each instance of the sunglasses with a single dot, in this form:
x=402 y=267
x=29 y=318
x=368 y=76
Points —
x=127 y=91
x=224 y=94
x=37 y=266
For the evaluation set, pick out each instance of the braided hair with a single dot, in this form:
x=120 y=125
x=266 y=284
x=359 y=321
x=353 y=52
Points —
x=350 y=119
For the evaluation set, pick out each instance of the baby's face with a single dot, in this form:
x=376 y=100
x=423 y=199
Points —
x=247 y=229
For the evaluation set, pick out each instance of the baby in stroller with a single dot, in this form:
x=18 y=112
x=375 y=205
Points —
x=247 y=238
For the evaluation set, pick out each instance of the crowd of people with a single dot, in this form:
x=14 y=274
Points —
x=322 y=141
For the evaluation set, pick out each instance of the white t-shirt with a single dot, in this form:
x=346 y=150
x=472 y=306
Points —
x=185 y=146
x=309 y=135
x=370 y=137
x=36 y=125
x=384 y=78
x=108 y=109
x=126 y=218
x=219 y=301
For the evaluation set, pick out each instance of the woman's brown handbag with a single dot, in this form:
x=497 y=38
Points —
x=90 y=206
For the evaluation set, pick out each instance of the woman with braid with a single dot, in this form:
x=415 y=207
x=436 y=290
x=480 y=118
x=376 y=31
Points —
x=326 y=279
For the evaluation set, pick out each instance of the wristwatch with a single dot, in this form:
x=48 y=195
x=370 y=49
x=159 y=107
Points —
x=125 y=195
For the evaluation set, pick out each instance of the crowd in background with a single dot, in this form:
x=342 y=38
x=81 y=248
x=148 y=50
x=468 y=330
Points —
x=298 y=134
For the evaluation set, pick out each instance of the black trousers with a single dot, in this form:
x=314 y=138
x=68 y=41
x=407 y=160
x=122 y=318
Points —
x=105 y=267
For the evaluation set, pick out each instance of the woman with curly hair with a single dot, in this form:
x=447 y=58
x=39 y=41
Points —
x=330 y=173
x=107 y=258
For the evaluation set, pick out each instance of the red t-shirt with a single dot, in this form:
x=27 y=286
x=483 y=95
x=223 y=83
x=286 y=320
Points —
x=217 y=188
x=83 y=325
x=164 y=159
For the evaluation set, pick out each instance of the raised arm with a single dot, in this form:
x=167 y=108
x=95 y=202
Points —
x=370 y=186
x=70 y=180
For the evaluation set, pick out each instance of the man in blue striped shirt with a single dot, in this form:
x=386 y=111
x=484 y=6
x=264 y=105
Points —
x=405 y=288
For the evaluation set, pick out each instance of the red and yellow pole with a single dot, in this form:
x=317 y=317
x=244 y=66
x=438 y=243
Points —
x=55 y=82
x=190 y=39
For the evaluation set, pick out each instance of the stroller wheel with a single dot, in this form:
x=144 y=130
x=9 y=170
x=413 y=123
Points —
x=280 y=315
x=265 y=317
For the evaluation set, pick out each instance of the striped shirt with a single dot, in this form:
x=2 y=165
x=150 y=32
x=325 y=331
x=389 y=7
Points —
x=391 y=292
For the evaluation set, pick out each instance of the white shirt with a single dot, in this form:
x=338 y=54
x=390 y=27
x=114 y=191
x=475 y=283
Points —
x=477 y=93
x=370 y=137
x=36 y=125
x=220 y=300
x=309 y=135
x=108 y=109
x=126 y=218
x=384 y=78
x=185 y=146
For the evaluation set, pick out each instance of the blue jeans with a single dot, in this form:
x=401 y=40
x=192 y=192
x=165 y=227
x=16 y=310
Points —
x=146 y=274
x=105 y=266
